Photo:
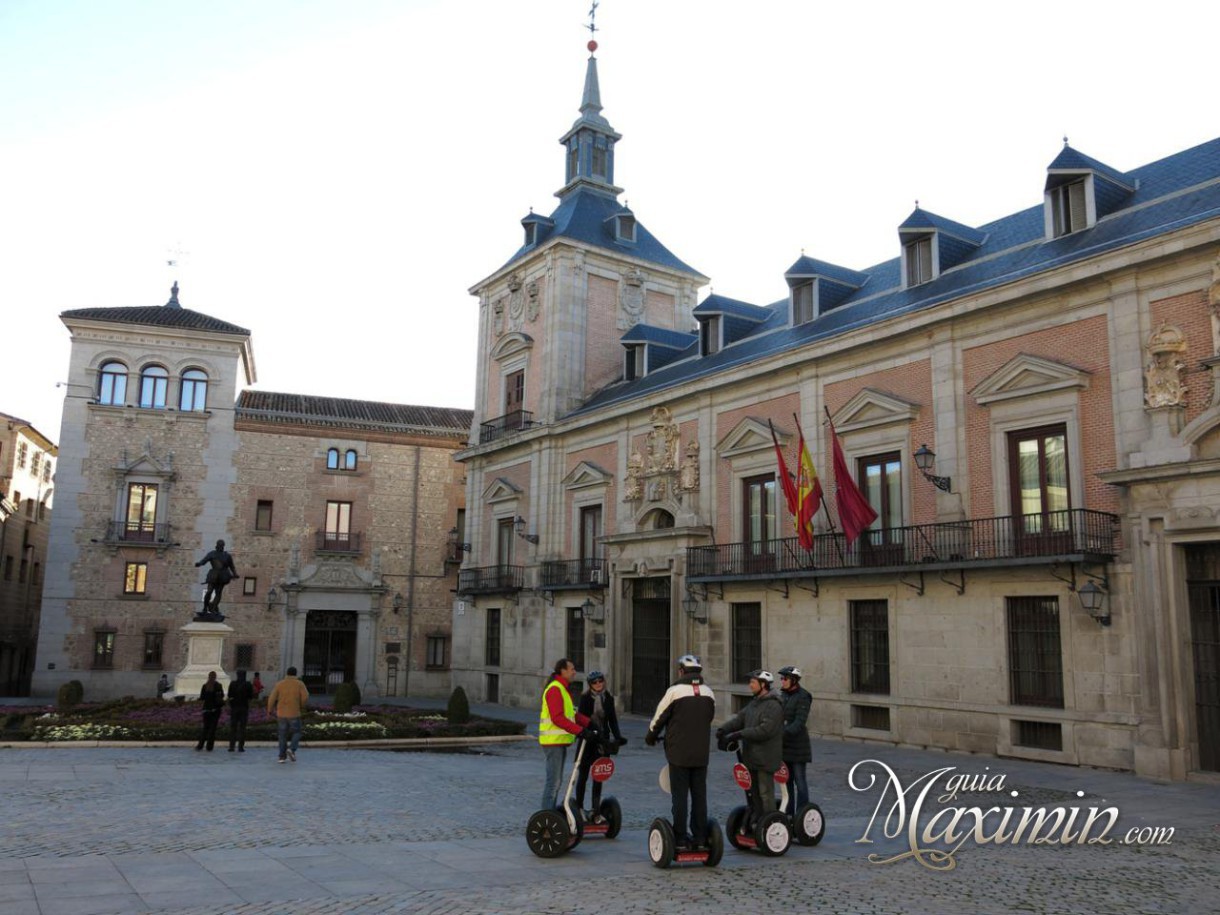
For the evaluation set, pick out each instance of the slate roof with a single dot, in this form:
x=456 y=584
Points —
x=923 y=219
x=723 y=305
x=581 y=216
x=660 y=336
x=1171 y=194
x=1073 y=160
x=169 y=315
x=809 y=266
x=270 y=406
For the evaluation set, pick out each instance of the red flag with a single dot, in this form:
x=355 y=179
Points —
x=785 y=477
x=808 y=492
x=854 y=511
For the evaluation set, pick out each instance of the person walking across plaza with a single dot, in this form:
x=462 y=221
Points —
x=797 y=753
x=684 y=718
x=760 y=729
x=212 y=698
x=559 y=724
x=286 y=704
x=240 y=695
x=258 y=686
x=596 y=704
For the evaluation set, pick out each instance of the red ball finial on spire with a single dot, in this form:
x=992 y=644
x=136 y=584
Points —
x=592 y=46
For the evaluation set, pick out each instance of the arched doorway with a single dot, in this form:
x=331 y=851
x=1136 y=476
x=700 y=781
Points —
x=330 y=649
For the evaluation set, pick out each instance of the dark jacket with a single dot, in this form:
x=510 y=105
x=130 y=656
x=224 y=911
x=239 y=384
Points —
x=685 y=714
x=761 y=724
x=212 y=695
x=585 y=707
x=796 y=725
x=241 y=692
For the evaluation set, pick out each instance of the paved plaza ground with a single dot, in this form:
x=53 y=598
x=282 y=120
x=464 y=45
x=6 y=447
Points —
x=166 y=829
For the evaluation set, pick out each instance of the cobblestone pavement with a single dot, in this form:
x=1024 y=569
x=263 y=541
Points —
x=363 y=831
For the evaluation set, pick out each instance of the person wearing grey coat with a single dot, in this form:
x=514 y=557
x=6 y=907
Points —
x=797 y=752
x=759 y=727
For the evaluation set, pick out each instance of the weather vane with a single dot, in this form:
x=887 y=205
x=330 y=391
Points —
x=592 y=27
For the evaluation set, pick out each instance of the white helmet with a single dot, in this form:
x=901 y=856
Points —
x=690 y=662
x=793 y=673
x=762 y=676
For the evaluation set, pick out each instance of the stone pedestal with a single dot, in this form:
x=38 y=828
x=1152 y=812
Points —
x=204 y=651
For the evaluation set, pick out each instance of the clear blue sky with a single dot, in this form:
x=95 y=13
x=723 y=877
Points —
x=341 y=173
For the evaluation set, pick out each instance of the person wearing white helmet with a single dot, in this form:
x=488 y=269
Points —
x=684 y=715
x=797 y=752
x=759 y=727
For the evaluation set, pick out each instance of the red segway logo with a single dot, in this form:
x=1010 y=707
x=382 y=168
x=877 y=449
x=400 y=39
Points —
x=742 y=774
x=781 y=777
x=602 y=769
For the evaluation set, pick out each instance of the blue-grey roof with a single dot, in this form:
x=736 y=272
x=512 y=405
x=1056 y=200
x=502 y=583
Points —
x=659 y=336
x=1073 y=160
x=1172 y=193
x=581 y=216
x=723 y=305
x=923 y=219
x=808 y=266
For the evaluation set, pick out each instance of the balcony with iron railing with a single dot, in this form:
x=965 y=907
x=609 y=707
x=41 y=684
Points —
x=554 y=575
x=491 y=580
x=135 y=533
x=337 y=542
x=502 y=426
x=1074 y=535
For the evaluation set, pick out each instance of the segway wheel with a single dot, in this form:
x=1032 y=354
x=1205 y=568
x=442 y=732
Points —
x=715 y=844
x=661 y=843
x=547 y=834
x=809 y=824
x=773 y=834
x=612 y=813
x=737 y=816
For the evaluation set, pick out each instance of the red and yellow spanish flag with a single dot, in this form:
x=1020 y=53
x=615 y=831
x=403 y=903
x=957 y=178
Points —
x=808 y=493
x=785 y=478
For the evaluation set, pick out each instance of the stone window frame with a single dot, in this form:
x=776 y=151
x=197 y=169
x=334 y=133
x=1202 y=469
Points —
x=140 y=586
x=154 y=644
x=104 y=642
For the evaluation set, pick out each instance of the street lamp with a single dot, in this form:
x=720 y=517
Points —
x=1093 y=599
x=593 y=611
x=925 y=460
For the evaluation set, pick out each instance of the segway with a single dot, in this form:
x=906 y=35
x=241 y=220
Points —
x=551 y=833
x=808 y=824
x=662 y=844
x=607 y=817
x=772 y=834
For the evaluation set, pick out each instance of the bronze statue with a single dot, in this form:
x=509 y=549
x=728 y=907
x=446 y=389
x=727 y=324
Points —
x=222 y=572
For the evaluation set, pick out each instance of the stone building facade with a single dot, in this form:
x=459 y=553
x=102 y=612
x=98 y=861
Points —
x=1030 y=406
x=341 y=517
x=27 y=484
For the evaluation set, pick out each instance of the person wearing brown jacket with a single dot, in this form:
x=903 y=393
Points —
x=286 y=704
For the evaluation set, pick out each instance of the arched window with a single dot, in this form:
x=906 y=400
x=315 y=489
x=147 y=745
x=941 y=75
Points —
x=332 y=459
x=112 y=384
x=194 y=391
x=154 y=383
x=349 y=459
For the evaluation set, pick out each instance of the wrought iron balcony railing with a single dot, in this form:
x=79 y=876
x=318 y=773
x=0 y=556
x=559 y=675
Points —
x=337 y=541
x=572 y=573
x=137 y=532
x=491 y=580
x=504 y=425
x=1008 y=540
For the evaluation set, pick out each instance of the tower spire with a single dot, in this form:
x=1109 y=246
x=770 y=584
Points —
x=590 y=141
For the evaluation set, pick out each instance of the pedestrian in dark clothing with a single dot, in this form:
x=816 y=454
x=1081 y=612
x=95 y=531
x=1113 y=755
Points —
x=797 y=752
x=241 y=692
x=759 y=727
x=597 y=705
x=212 y=696
x=684 y=715
x=163 y=686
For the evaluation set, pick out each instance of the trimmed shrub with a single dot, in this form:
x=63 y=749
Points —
x=459 y=706
x=347 y=695
x=70 y=694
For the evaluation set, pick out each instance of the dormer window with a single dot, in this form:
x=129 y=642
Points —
x=917 y=258
x=531 y=234
x=634 y=365
x=802 y=303
x=709 y=335
x=1069 y=209
x=626 y=227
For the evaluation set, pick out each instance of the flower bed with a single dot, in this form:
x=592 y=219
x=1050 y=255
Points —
x=154 y=720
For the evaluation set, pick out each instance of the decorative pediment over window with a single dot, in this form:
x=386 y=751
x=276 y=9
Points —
x=586 y=474
x=500 y=490
x=1025 y=376
x=146 y=464
x=871 y=408
x=749 y=436
x=337 y=575
x=510 y=345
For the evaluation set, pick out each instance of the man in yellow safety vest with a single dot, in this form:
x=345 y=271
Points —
x=559 y=724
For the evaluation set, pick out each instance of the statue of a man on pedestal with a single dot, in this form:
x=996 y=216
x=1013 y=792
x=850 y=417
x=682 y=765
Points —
x=221 y=572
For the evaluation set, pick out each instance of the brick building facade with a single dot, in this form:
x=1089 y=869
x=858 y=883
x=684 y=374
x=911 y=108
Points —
x=1046 y=588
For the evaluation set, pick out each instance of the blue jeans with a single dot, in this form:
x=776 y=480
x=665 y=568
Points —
x=555 y=754
x=798 y=786
x=286 y=726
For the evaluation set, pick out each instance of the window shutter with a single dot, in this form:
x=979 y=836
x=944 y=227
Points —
x=1076 y=206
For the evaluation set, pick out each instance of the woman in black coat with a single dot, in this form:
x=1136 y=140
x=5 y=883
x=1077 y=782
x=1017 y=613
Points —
x=598 y=705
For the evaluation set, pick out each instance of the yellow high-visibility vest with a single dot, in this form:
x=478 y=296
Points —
x=549 y=733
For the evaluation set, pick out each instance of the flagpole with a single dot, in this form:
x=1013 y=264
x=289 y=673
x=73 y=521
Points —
x=833 y=531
